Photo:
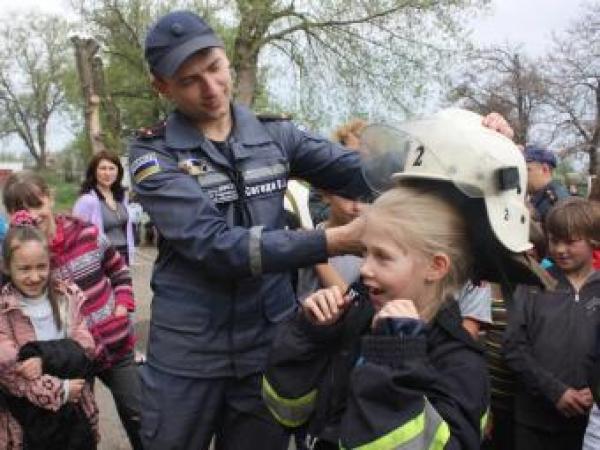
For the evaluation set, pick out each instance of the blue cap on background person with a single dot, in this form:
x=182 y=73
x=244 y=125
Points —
x=174 y=38
x=539 y=155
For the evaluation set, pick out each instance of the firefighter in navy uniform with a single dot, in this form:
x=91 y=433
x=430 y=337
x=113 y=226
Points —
x=543 y=190
x=212 y=178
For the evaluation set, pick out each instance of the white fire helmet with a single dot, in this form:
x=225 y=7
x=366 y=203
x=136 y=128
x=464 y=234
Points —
x=454 y=146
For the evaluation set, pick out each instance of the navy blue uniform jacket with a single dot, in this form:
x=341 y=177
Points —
x=221 y=281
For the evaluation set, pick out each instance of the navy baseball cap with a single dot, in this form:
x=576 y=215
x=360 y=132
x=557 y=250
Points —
x=174 y=38
x=539 y=155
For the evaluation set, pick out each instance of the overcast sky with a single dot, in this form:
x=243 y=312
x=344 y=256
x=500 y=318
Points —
x=527 y=22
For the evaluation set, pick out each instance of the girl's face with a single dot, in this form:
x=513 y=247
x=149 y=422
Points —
x=343 y=210
x=106 y=173
x=391 y=272
x=30 y=268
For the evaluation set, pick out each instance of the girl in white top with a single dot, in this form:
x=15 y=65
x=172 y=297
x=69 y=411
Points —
x=41 y=329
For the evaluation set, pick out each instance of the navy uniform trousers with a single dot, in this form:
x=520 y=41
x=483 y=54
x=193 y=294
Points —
x=195 y=408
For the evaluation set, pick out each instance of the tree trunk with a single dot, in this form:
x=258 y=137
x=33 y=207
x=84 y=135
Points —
x=256 y=16
x=245 y=69
x=85 y=49
x=113 y=116
x=593 y=152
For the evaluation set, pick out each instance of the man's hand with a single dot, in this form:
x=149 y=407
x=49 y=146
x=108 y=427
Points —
x=30 y=368
x=75 y=388
x=571 y=403
x=325 y=306
x=120 y=311
x=396 y=309
x=346 y=239
x=498 y=123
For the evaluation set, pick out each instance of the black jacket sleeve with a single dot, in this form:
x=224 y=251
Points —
x=299 y=356
x=518 y=351
x=62 y=358
x=400 y=397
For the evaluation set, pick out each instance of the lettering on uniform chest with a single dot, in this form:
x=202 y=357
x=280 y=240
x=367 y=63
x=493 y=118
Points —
x=253 y=181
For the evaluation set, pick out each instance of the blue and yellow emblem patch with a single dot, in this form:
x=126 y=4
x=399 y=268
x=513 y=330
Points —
x=145 y=166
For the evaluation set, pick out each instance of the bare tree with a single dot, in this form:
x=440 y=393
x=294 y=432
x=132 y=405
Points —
x=33 y=60
x=376 y=47
x=573 y=72
x=504 y=80
x=374 y=58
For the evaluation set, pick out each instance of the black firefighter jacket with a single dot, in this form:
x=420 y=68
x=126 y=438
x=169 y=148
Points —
x=359 y=390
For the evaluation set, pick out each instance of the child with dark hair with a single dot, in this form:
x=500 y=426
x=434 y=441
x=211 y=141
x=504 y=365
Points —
x=45 y=353
x=83 y=255
x=551 y=334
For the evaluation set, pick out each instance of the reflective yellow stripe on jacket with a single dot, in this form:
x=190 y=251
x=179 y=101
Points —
x=484 y=422
x=426 y=431
x=291 y=412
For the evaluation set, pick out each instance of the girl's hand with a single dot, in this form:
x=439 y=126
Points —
x=75 y=389
x=30 y=368
x=120 y=311
x=396 y=309
x=325 y=306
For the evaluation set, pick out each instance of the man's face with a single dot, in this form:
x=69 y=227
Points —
x=538 y=176
x=201 y=87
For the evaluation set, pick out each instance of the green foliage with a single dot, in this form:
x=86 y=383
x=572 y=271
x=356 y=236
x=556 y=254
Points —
x=65 y=193
x=33 y=62
x=121 y=29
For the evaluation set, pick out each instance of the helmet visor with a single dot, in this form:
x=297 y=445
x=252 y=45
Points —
x=409 y=151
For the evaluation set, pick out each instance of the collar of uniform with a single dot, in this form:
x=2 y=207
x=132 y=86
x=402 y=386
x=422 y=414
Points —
x=538 y=196
x=181 y=134
x=247 y=129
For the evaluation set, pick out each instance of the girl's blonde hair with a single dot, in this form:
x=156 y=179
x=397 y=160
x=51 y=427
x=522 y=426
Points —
x=425 y=219
x=353 y=127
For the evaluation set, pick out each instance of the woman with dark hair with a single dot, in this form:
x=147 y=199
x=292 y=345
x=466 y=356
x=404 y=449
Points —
x=103 y=202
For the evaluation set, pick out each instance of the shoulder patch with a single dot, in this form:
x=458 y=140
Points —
x=144 y=166
x=551 y=195
x=156 y=130
x=273 y=117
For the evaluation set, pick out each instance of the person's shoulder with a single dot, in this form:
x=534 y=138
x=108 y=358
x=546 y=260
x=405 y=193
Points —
x=555 y=191
x=447 y=330
x=267 y=117
x=152 y=132
x=87 y=199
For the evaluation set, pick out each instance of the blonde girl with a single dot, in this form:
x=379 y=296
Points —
x=388 y=365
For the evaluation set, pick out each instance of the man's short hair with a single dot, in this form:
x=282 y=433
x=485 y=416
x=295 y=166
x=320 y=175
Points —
x=575 y=218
